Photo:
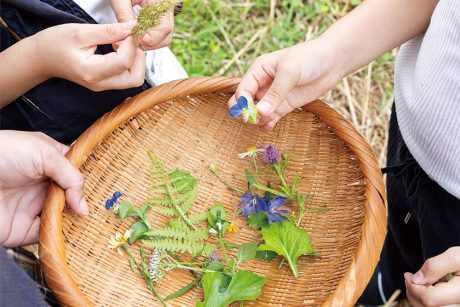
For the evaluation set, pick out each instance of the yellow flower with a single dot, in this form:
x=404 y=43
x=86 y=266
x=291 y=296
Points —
x=294 y=214
x=232 y=228
x=118 y=241
x=250 y=152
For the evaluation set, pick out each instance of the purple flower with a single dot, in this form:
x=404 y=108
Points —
x=252 y=204
x=275 y=215
x=214 y=257
x=271 y=155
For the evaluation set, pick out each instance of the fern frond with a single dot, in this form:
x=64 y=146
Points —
x=181 y=246
x=164 y=211
x=170 y=232
x=197 y=217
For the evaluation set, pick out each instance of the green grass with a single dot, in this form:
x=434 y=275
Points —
x=209 y=33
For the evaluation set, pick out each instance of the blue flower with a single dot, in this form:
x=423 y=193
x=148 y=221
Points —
x=109 y=203
x=275 y=215
x=237 y=109
x=245 y=108
x=117 y=195
x=252 y=204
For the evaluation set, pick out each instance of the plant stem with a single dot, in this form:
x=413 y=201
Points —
x=222 y=247
x=178 y=209
x=229 y=187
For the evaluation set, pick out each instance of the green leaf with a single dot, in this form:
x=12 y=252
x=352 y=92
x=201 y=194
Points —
x=138 y=230
x=230 y=245
x=127 y=209
x=181 y=291
x=132 y=265
x=143 y=210
x=287 y=240
x=244 y=286
x=215 y=266
x=217 y=215
x=256 y=220
x=247 y=251
x=266 y=255
x=250 y=177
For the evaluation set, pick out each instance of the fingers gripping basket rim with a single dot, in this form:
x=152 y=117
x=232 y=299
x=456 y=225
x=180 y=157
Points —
x=52 y=247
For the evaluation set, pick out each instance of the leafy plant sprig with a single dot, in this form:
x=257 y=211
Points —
x=149 y=16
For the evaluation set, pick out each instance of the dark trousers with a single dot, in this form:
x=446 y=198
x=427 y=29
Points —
x=423 y=221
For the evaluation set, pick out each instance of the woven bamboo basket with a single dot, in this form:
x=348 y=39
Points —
x=186 y=124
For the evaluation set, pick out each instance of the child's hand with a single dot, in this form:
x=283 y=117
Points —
x=68 y=51
x=289 y=78
x=156 y=38
x=424 y=288
x=27 y=162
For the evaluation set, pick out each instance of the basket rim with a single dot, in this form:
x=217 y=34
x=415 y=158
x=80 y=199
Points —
x=52 y=250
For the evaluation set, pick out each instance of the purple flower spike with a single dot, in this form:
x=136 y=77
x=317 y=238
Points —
x=275 y=215
x=271 y=155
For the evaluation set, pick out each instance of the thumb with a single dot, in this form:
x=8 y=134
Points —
x=437 y=267
x=108 y=33
x=285 y=80
x=58 y=168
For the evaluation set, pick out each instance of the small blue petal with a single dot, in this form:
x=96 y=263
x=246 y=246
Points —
x=235 y=111
x=117 y=195
x=275 y=218
x=276 y=202
x=242 y=102
x=109 y=204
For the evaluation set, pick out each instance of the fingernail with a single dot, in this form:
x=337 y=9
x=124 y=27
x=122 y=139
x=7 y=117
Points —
x=84 y=207
x=129 y=25
x=264 y=107
x=418 y=277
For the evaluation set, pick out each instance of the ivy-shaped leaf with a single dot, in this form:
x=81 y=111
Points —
x=244 y=286
x=287 y=240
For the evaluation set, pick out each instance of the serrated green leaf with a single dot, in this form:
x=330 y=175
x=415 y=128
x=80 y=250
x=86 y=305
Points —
x=127 y=209
x=266 y=255
x=247 y=251
x=244 y=286
x=138 y=230
x=287 y=240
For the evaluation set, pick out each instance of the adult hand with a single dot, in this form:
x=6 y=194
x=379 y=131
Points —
x=68 y=51
x=287 y=79
x=156 y=38
x=27 y=161
x=426 y=288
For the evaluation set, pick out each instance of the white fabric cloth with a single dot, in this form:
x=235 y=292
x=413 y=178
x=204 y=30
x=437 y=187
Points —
x=427 y=95
x=162 y=66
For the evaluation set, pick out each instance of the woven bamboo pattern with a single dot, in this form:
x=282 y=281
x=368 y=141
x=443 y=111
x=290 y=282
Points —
x=186 y=124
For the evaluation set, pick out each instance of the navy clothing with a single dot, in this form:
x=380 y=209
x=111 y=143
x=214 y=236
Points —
x=423 y=221
x=57 y=107
x=16 y=287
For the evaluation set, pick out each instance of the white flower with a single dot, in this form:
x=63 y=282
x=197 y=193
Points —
x=212 y=231
x=250 y=152
x=118 y=240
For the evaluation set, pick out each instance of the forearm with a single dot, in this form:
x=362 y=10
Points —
x=374 y=27
x=21 y=70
